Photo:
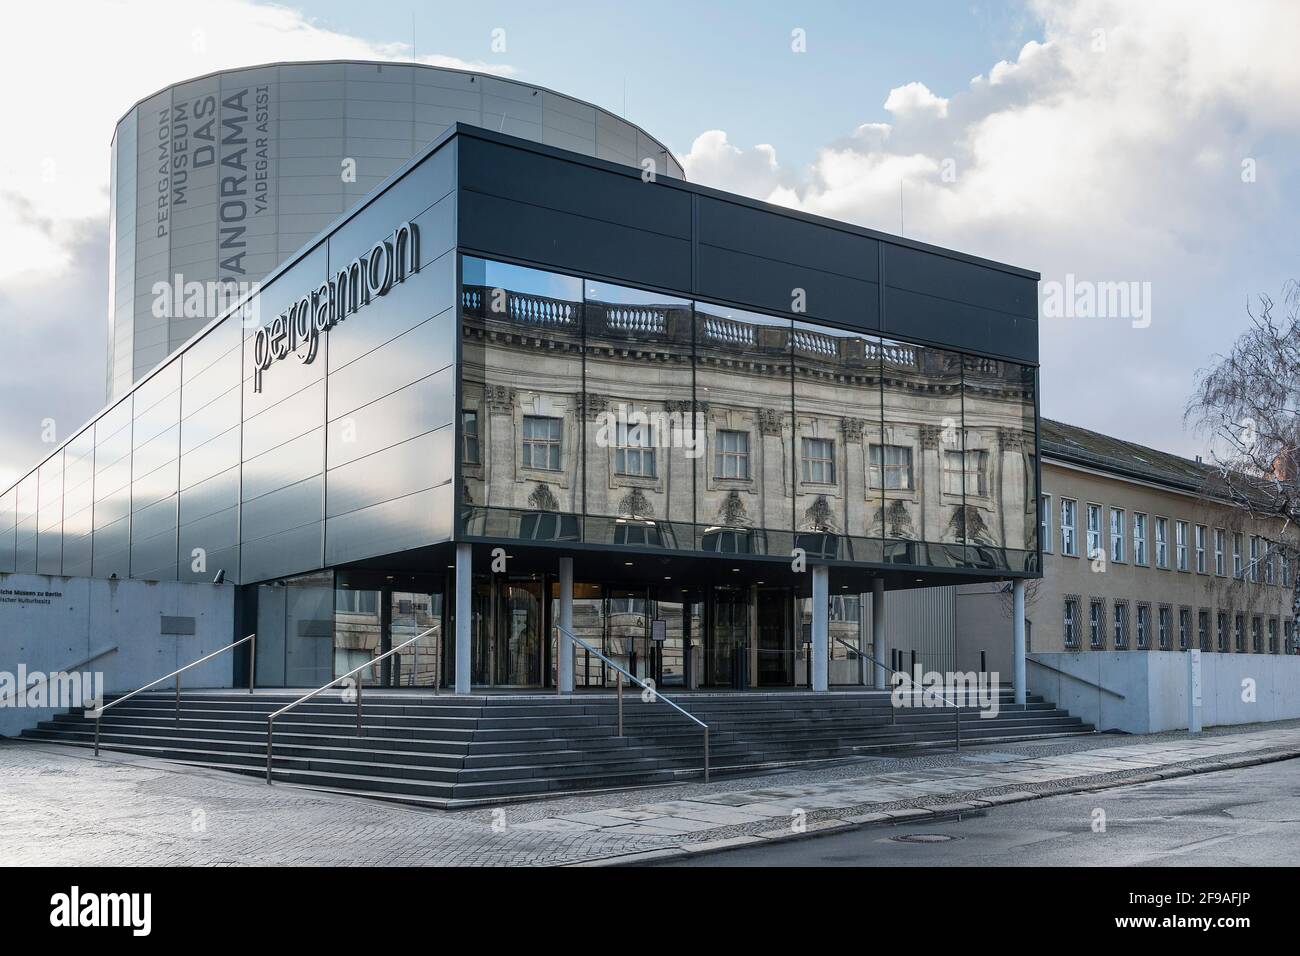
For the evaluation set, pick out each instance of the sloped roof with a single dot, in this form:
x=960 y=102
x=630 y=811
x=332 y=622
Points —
x=1080 y=446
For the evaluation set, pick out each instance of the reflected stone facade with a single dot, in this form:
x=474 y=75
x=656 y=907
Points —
x=219 y=179
x=604 y=414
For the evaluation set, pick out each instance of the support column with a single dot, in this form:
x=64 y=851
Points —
x=879 y=649
x=1018 y=638
x=821 y=626
x=564 y=671
x=464 y=615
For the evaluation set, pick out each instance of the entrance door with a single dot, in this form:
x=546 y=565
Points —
x=775 y=637
x=671 y=623
x=726 y=635
x=520 y=634
x=627 y=632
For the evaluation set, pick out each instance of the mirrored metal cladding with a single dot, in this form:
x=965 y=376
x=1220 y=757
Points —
x=613 y=416
x=217 y=180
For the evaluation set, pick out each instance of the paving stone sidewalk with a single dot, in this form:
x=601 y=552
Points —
x=59 y=805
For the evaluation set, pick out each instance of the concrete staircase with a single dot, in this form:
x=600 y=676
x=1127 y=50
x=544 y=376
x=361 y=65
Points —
x=449 y=751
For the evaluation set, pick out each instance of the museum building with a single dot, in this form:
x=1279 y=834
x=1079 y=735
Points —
x=521 y=383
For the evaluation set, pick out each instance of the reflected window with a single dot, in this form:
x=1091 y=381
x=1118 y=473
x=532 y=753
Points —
x=818 y=461
x=548 y=527
x=846 y=608
x=470 y=452
x=971 y=464
x=356 y=602
x=891 y=467
x=637 y=534
x=825 y=545
x=541 y=444
x=727 y=541
x=634 y=451
x=731 y=455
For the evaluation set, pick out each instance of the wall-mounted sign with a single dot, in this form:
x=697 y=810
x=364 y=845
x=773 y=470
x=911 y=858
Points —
x=365 y=278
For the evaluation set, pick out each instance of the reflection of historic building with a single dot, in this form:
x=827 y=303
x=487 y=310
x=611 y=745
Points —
x=719 y=430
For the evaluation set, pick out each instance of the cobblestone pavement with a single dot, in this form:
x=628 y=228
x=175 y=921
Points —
x=61 y=806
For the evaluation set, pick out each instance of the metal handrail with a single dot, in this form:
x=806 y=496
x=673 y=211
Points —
x=24 y=691
x=270 y=720
x=1081 y=680
x=98 y=713
x=955 y=706
x=655 y=693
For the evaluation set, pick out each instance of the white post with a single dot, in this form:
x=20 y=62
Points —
x=464 y=615
x=564 y=646
x=1194 y=690
x=878 y=649
x=1018 y=638
x=821 y=626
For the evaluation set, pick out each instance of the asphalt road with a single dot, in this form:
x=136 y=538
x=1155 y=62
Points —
x=1247 y=817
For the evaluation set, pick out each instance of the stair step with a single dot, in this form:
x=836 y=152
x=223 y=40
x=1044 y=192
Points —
x=448 y=751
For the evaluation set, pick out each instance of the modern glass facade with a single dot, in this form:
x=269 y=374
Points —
x=201 y=469
x=619 y=417
x=513 y=347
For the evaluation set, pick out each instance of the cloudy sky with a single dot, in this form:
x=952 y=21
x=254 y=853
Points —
x=1106 y=140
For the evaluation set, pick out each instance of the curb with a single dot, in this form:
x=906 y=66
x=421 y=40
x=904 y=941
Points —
x=925 y=812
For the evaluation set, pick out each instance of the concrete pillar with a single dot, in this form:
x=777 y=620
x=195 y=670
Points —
x=1018 y=638
x=464 y=615
x=821 y=626
x=879 y=648
x=564 y=645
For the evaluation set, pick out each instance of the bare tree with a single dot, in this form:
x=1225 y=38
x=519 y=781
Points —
x=1248 y=406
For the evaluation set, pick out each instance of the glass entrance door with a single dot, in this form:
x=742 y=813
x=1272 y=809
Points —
x=627 y=631
x=775 y=637
x=520 y=634
x=726 y=636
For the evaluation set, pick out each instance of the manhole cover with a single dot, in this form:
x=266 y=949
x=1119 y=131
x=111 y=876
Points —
x=924 y=838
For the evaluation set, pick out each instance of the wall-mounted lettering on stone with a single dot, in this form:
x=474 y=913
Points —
x=365 y=278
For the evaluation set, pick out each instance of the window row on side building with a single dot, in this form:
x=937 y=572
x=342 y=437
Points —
x=1137 y=556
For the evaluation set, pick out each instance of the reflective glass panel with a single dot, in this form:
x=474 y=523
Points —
x=744 y=501
x=522 y=389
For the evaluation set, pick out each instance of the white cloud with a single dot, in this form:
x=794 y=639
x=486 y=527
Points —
x=1112 y=149
x=76 y=69
x=713 y=161
x=915 y=99
x=98 y=58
